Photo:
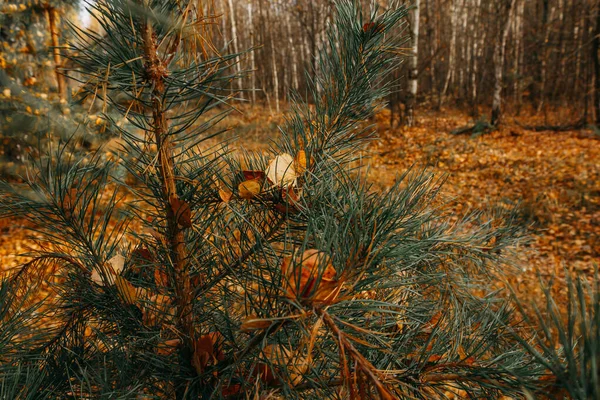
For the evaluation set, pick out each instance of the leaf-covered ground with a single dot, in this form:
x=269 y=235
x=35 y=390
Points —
x=553 y=178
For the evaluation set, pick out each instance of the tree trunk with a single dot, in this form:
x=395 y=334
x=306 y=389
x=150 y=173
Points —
x=252 y=53
x=295 y=84
x=234 y=39
x=156 y=71
x=452 y=58
x=499 y=51
x=476 y=57
x=543 y=61
x=60 y=79
x=413 y=66
x=595 y=57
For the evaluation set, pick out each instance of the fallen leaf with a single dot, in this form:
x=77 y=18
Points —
x=314 y=278
x=249 y=175
x=249 y=189
x=168 y=347
x=301 y=162
x=126 y=290
x=161 y=279
x=207 y=349
x=182 y=211
x=281 y=170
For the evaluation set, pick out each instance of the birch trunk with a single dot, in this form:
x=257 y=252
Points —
x=452 y=58
x=499 y=51
x=413 y=66
x=252 y=53
x=476 y=56
x=234 y=39
x=432 y=42
x=295 y=83
x=596 y=59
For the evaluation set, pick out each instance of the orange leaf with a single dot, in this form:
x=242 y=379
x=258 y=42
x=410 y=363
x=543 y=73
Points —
x=126 y=290
x=249 y=189
x=314 y=279
x=168 y=347
x=301 y=162
x=206 y=351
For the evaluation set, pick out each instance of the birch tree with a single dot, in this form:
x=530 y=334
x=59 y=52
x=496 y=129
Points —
x=414 y=64
x=499 y=51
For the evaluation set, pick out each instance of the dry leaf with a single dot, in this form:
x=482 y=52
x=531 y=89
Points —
x=168 y=347
x=126 y=290
x=206 y=350
x=142 y=254
x=182 y=211
x=157 y=310
x=314 y=279
x=301 y=162
x=224 y=192
x=161 y=279
x=249 y=189
x=112 y=267
x=281 y=170
x=253 y=323
x=249 y=175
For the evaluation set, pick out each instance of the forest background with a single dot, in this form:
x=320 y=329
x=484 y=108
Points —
x=522 y=77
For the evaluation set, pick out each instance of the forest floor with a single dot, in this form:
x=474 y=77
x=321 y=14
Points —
x=552 y=177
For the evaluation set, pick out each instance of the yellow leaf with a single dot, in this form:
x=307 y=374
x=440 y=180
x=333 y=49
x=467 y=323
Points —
x=249 y=189
x=126 y=290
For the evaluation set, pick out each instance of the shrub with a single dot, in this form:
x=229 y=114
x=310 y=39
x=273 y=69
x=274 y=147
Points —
x=210 y=273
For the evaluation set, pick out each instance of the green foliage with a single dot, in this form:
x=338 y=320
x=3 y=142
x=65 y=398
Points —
x=567 y=343
x=206 y=273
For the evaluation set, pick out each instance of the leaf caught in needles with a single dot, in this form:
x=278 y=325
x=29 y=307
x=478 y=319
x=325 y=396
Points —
x=281 y=170
x=249 y=189
x=182 y=211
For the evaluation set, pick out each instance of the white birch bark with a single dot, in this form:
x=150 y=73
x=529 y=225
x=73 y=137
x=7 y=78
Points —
x=252 y=53
x=499 y=51
x=234 y=39
x=413 y=65
x=452 y=57
x=295 y=83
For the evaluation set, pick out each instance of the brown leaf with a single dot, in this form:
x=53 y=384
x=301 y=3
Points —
x=249 y=189
x=206 y=350
x=250 y=175
x=314 y=279
x=373 y=27
x=161 y=279
x=182 y=211
x=157 y=310
x=142 y=254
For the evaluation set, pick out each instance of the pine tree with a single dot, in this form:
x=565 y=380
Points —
x=211 y=273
